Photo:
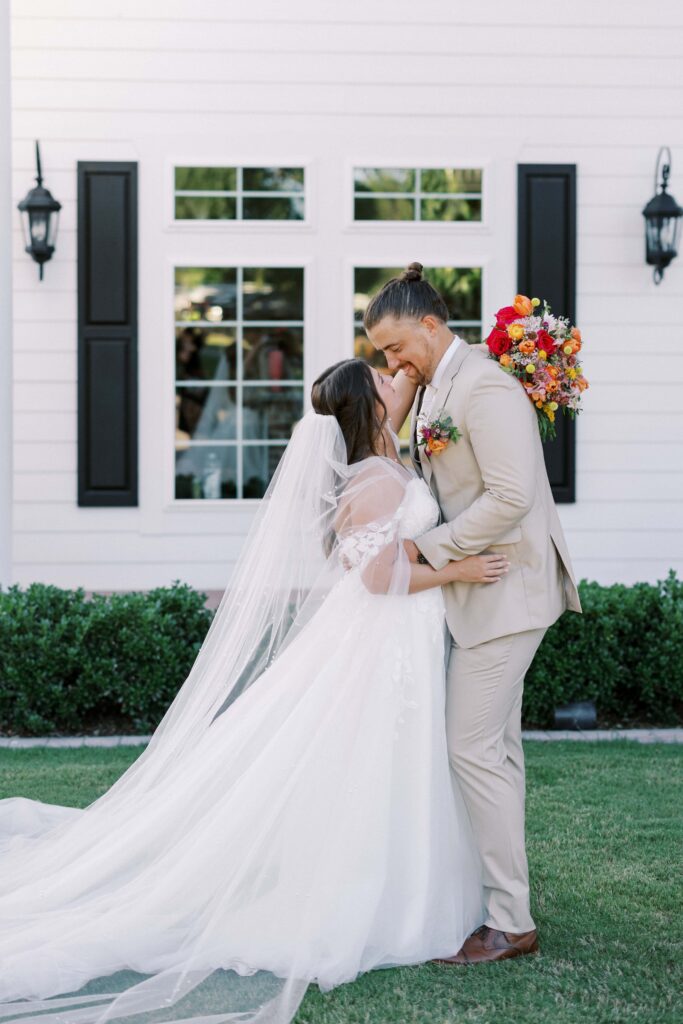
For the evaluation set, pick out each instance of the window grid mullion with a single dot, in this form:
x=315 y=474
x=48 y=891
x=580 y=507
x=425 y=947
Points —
x=240 y=335
x=240 y=186
x=418 y=190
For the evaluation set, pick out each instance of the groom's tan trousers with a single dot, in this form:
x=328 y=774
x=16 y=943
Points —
x=483 y=720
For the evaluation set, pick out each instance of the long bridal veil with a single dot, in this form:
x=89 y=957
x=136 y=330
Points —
x=72 y=881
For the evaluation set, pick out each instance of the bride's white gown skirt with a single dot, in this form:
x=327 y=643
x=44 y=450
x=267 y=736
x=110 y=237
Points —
x=314 y=833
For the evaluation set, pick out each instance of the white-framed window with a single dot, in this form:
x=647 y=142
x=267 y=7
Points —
x=433 y=195
x=238 y=193
x=239 y=346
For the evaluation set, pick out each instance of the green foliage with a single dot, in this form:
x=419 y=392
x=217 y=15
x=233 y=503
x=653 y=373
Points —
x=625 y=652
x=69 y=664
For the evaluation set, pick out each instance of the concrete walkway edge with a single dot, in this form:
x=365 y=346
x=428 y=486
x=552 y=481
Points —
x=638 y=735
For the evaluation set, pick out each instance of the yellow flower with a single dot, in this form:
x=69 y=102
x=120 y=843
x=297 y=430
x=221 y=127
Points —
x=516 y=331
x=571 y=373
x=530 y=368
x=553 y=406
x=535 y=302
x=543 y=354
x=568 y=349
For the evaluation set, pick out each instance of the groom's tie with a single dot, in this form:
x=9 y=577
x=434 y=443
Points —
x=420 y=396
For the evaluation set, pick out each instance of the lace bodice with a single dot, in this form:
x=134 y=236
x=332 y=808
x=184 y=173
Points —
x=417 y=513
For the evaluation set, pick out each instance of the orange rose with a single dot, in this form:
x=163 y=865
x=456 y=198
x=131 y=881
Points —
x=552 y=385
x=435 y=446
x=553 y=371
x=575 y=333
x=522 y=305
x=505 y=360
x=527 y=347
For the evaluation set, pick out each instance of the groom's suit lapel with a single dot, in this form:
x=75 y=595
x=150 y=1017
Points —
x=442 y=395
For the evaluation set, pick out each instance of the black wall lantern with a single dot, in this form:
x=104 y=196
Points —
x=662 y=222
x=39 y=220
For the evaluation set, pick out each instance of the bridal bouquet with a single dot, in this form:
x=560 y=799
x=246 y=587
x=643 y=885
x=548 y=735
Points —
x=541 y=350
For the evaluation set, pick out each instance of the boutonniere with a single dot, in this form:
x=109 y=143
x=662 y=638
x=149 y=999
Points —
x=436 y=434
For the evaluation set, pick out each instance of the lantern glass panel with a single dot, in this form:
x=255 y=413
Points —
x=26 y=228
x=53 y=227
x=39 y=219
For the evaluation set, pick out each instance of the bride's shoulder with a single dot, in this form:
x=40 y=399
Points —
x=376 y=486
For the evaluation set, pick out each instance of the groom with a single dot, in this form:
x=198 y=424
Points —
x=493 y=490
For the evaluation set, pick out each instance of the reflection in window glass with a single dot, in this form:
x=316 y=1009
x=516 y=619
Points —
x=414 y=194
x=239 y=193
x=239 y=376
x=460 y=287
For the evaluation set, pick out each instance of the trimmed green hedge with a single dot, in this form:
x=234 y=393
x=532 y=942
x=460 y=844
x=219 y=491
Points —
x=114 y=663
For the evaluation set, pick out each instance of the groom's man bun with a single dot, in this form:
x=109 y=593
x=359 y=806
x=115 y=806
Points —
x=407 y=295
x=413 y=272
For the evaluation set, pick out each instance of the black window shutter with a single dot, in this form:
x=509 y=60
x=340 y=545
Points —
x=107 y=334
x=546 y=267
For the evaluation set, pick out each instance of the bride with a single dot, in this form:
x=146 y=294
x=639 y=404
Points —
x=293 y=818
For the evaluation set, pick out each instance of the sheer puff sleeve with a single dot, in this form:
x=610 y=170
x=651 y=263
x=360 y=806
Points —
x=368 y=528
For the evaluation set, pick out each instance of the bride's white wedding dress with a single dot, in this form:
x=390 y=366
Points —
x=314 y=833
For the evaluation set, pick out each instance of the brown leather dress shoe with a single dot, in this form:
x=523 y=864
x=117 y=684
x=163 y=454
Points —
x=486 y=945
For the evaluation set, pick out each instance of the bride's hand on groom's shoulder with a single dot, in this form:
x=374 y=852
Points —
x=478 y=569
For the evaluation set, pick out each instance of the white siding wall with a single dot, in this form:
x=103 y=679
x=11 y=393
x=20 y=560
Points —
x=599 y=84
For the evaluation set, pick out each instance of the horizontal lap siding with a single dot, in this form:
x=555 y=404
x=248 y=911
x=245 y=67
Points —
x=602 y=88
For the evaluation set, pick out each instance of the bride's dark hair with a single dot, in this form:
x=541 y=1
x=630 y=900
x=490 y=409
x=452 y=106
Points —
x=407 y=295
x=347 y=391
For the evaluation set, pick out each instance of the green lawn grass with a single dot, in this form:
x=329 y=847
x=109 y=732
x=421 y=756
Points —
x=604 y=829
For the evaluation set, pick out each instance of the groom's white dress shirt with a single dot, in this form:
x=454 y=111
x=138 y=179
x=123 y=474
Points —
x=433 y=386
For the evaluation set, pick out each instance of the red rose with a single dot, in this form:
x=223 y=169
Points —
x=546 y=342
x=506 y=315
x=498 y=342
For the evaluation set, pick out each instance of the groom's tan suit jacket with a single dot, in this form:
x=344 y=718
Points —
x=493 y=490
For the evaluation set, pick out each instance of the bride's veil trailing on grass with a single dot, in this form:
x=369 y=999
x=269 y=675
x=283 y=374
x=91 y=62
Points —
x=68 y=873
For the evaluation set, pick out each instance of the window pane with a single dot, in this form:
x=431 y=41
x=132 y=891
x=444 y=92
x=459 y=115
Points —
x=206 y=471
x=271 y=412
x=273 y=353
x=206 y=293
x=367 y=281
x=461 y=288
x=273 y=179
x=274 y=293
x=259 y=464
x=206 y=413
x=383 y=208
x=206 y=353
x=229 y=436
x=206 y=179
x=472 y=335
x=272 y=208
x=364 y=349
x=450 y=209
x=205 y=208
x=384 y=179
x=453 y=179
